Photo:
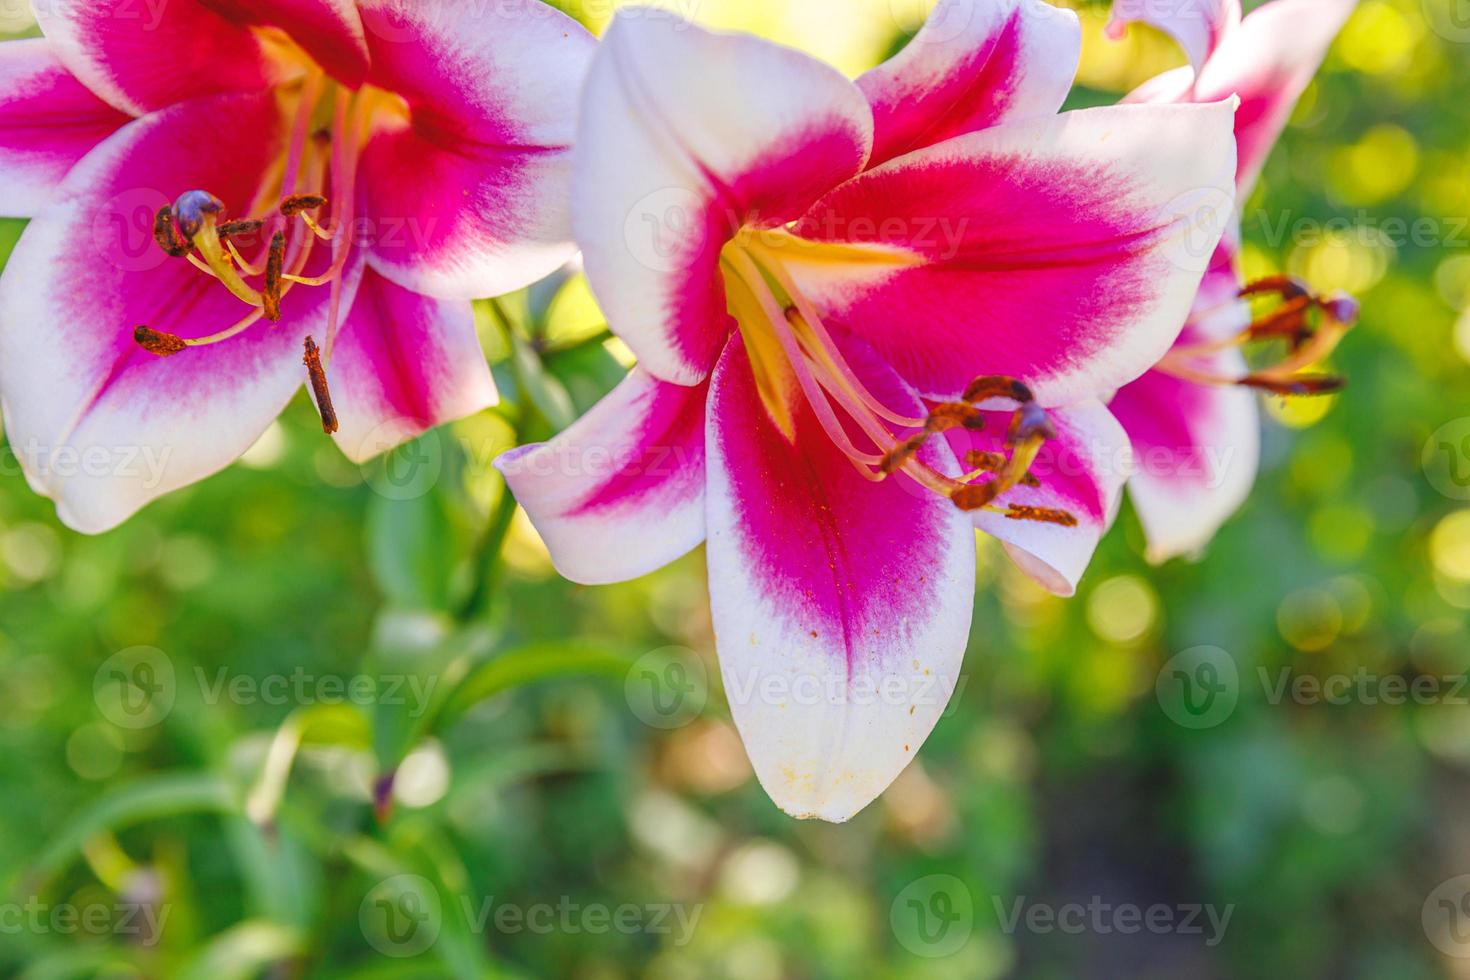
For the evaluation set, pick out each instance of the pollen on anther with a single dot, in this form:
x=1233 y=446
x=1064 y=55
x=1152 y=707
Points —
x=297 y=203
x=157 y=342
x=166 y=235
x=274 y=267
x=1041 y=515
x=319 y=389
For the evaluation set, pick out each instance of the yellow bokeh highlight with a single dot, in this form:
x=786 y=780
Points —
x=854 y=35
x=1310 y=620
x=1125 y=64
x=1377 y=168
x=1380 y=40
x=1449 y=546
x=1123 y=609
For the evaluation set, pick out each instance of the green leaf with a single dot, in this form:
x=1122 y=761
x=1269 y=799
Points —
x=530 y=664
x=144 y=800
x=412 y=550
x=242 y=952
x=544 y=391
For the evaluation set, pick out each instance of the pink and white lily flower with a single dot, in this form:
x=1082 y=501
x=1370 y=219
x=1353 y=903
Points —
x=870 y=316
x=1193 y=421
x=217 y=185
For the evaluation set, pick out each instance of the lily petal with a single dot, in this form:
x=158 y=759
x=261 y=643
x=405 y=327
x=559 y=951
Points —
x=1199 y=27
x=974 y=64
x=1064 y=252
x=1268 y=63
x=48 y=121
x=402 y=364
x=329 y=30
x=1082 y=472
x=841 y=606
x=620 y=493
x=145 y=56
x=1196 y=451
x=468 y=191
x=685 y=136
x=101 y=426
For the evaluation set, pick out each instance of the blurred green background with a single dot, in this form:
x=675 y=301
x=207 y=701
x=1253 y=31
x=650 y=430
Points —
x=196 y=711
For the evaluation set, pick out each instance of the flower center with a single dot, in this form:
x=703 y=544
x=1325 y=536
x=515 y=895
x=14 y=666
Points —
x=1310 y=325
x=793 y=356
x=261 y=257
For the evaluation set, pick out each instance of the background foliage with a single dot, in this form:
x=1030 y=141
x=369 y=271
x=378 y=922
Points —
x=239 y=800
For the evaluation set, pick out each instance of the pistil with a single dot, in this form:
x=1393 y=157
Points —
x=755 y=275
x=196 y=228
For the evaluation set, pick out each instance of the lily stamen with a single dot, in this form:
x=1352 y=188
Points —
x=1308 y=342
x=319 y=390
x=827 y=381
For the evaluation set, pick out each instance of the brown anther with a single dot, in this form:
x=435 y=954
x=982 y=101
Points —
x=983 y=389
x=166 y=234
x=978 y=459
x=319 y=389
x=1289 y=321
x=1287 y=287
x=1302 y=386
x=954 y=415
x=976 y=496
x=297 y=203
x=274 y=266
x=239 y=229
x=157 y=342
x=899 y=455
x=1040 y=515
